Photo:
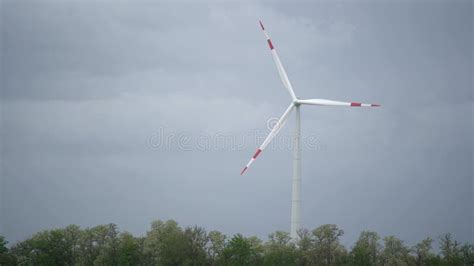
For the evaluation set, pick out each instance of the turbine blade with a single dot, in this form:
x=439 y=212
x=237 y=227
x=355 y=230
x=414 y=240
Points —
x=278 y=126
x=281 y=70
x=324 y=102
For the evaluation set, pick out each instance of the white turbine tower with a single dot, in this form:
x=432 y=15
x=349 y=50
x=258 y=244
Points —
x=295 y=104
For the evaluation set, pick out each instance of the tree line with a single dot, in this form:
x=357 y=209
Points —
x=166 y=243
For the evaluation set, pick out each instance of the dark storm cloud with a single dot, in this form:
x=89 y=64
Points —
x=86 y=86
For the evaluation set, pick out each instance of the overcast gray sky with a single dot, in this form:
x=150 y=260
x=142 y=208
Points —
x=90 y=90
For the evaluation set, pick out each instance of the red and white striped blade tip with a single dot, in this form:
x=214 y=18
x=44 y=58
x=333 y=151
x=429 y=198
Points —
x=257 y=152
x=353 y=104
x=261 y=25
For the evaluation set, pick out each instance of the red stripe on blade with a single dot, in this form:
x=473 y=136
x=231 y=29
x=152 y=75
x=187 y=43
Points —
x=270 y=44
x=257 y=153
x=261 y=24
x=243 y=170
x=356 y=104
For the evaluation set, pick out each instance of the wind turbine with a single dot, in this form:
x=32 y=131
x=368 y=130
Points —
x=295 y=104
